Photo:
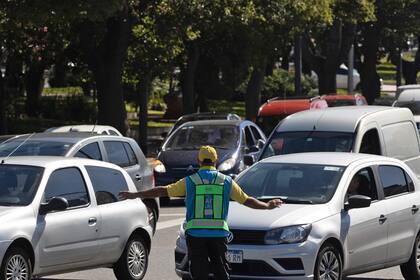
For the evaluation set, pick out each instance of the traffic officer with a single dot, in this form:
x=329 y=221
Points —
x=207 y=195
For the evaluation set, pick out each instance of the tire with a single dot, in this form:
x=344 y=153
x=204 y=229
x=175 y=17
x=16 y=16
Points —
x=328 y=264
x=17 y=262
x=411 y=269
x=135 y=247
x=152 y=214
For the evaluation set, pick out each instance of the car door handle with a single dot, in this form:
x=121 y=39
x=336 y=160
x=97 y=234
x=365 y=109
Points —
x=382 y=219
x=92 y=221
x=138 y=177
x=414 y=209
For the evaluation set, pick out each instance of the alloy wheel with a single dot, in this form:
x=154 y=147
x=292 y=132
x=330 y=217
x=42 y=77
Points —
x=17 y=268
x=418 y=255
x=136 y=259
x=329 y=268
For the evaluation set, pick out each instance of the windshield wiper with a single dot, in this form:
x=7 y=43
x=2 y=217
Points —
x=286 y=199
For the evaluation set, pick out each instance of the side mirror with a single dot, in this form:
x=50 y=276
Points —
x=55 y=204
x=260 y=144
x=248 y=160
x=357 y=201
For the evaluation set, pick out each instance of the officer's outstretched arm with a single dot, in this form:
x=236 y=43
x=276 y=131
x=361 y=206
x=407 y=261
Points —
x=151 y=193
x=258 y=204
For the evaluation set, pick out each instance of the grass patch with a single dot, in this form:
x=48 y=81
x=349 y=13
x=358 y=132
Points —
x=62 y=91
x=151 y=124
x=225 y=106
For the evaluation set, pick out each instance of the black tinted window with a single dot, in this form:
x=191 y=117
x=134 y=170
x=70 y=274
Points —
x=116 y=153
x=107 y=183
x=370 y=143
x=69 y=184
x=34 y=147
x=393 y=180
x=90 y=151
x=256 y=133
x=131 y=155
x=363 y=183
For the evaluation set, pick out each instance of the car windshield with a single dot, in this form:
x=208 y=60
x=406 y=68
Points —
x=34 y=148
x=293 y=183
x=18 y=184
x=192 y=137
x=281 y=143
x=414 y=106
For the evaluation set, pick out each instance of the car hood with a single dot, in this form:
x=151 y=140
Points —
x=242 y=217
x=184 y=158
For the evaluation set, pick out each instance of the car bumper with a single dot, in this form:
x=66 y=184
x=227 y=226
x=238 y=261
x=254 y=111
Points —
x=270 y=262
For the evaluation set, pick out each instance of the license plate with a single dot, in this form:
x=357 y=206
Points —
x=234 y=256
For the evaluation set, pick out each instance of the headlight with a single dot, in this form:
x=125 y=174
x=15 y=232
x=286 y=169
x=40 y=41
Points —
x=159 y=167
x=227 y=164
x=292 y=234
x=182 y=230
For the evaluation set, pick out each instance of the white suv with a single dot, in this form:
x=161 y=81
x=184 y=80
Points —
x=63 y=214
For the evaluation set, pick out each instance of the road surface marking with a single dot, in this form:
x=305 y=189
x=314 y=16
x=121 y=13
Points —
x=169 y=224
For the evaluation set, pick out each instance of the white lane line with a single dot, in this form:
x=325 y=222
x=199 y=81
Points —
x=169 y=224
x=172 y=215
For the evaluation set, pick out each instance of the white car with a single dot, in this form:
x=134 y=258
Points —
x=98 y=129
x=342 y=77
x=63 y=214
x=344 y=214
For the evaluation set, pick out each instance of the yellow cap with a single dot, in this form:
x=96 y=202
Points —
x=207 y=152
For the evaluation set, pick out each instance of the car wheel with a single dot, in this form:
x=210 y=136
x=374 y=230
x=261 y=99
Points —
x=152 y=217
x=16 y=265
x=411 y=269
x=328 y=264
x=133 y=263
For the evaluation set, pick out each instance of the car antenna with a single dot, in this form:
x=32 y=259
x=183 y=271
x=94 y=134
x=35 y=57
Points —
x=12 y=152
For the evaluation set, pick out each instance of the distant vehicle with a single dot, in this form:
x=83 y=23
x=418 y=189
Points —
x=410 y=98
x=342 y=77
x=201 y=117
x=276 y=109
x=60 y=215
x=344 y=214
x=378 y=130
x=122 y=151
x=99 y=129
x=337 y=100
x=231 y=138
x=400 y=89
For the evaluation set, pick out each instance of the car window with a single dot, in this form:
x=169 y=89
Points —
x=111 y=132
x=69 y=184
x=90 y=151
x=22 y=146
x=256 y=133
x=107 y=183
x=363 y=183
x=401 y=140
x=248 y=138
x=370 y=143
x=131 y=155
x=342 y=71
x=117 y=153
x=410 y=182
x=393 y=180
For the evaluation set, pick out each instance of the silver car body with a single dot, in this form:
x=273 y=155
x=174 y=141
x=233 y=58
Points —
x=365 y=242
x=76 y=238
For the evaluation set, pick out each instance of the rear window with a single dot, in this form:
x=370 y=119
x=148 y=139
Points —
x=20 y=147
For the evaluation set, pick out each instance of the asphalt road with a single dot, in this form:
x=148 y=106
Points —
x=161 y=263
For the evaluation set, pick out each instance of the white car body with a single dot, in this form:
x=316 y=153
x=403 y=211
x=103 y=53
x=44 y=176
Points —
x=370 y=238
x=342 y=77
x=400 y=89
x=99 y=129
x=94 y=234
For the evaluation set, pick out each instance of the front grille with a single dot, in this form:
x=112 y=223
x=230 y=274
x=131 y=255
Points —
x=248 y=237
x=290 y=263
x=253 y=268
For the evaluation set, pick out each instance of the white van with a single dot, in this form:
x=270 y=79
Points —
x=379 y=130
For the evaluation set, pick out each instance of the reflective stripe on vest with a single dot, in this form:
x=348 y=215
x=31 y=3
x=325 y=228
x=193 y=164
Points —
x=208 y=202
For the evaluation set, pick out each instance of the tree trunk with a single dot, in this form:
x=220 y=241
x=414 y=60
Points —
x=253 y=91
x=106 y=60
x=327 y=82
x=3 y=115
x=369 y=78
x=143 y=97
x=188 y=93
x=34 y=84
x=411 y=69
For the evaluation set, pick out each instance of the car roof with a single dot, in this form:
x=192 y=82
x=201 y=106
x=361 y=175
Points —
x=409 y=95
x=70 y=137
x=46 y=161
x=326 y=158
x=344 y=119
x=340 y=97
x=215 y=122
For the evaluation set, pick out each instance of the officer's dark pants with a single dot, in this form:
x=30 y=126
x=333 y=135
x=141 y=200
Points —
x=200 y=250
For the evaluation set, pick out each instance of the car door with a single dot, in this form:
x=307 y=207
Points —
x=402 y=204
x=121 y=154
x=68 y=236
x=367 y=231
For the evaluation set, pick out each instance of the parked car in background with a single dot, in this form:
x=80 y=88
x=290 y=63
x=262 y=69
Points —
x=232 y=139
x=121 y=151
x=400 y=89
x=99 y=129
x=276 y=109
x=410 y=98
x=59 y=215
x=377 y=130
x=342 y=77
x=344 y=214
x=202 y=116
x=338 y=100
